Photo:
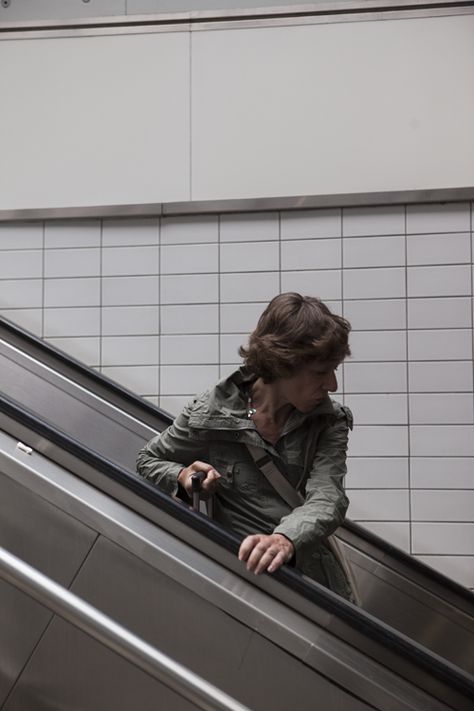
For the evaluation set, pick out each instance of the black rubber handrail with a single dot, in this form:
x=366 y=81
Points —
x=158 y=419
x=361 y=621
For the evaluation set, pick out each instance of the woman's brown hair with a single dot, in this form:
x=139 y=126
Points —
x=293 y=331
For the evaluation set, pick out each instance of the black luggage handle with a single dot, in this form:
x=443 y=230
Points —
x=196 y=481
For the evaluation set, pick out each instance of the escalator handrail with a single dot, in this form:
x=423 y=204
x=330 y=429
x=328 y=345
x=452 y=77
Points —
x=355 y=617
x=154 y=416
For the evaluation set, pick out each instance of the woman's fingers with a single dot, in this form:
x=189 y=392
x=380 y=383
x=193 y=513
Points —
x=208 y=484
x=265 y=552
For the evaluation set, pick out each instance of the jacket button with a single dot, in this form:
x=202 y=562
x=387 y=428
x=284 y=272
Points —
x=237 y=435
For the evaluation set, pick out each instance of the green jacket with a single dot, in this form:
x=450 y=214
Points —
x=214 y=428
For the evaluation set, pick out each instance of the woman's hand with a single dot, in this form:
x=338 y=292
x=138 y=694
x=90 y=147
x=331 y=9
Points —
x=266 y=552
x=208 y=485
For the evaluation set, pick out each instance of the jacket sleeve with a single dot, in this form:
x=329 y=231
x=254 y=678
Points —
x=325 y=502
x=161 y=460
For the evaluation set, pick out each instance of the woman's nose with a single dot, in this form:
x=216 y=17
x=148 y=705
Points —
x=330 y=382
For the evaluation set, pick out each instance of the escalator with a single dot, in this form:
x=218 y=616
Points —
x=172 y=576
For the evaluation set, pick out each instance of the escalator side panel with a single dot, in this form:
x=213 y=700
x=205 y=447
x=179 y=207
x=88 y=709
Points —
x=48 y=539
x=103 y=429
x=70 y=671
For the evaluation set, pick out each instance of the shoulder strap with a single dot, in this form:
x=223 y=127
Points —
x=271 y=472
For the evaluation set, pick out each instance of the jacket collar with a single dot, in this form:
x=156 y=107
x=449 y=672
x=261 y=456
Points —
x=225 y=406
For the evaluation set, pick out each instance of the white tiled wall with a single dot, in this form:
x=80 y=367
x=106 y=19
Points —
x=162 y=306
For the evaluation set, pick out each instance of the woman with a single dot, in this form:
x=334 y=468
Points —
x=278 y=403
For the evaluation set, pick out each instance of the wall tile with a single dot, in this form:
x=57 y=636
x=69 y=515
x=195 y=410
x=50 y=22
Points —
x=71 y=322
x=442 y=472
x=229 y=346
x=21 y=235
x=377 y=473
x=21 y=265
x=312 y=254
x=450 y=248
x=443 y=538
x=130 y=320
x=373 y=283
x=29 y=319
x=130 y=232
x=378 y=345
x=68 y=233
x=450 y=376
x=130 y=291
x=440 y=344
x=446 y=217
x=324 y=284
x=436 y=505
x=376 y=314
x=375 y=377
x=310 y=224
x=174 y=403
x=189 y=259
x=249 y=257
x=361 y=221
x=379 y=408
x=86 y=349
x=129 y=261
x=454 y=312
x=240 y=318
x=439 y=281
x=442 y=440
x=249 y=227
x=380 y=505
x=72 y=262
x=140 y=379
x=21 y=293
x=378 y=441
x=129 y=350
x=180 y=379
x=194 y=318
x=72 y=292
x=256 y=286
x=190 y=289
x=373 y=251
x=441 y=408
x=398 y=534
x=459 y=568
x=186 y=230
x=192 y=350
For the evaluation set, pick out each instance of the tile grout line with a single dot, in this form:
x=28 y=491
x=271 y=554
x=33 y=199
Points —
x=219 y=303
x=410 y=530
x=342 y=298
x=159 y=297
x=101 y=283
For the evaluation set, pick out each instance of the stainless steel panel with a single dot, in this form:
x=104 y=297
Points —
x=198 y=207
x=195 y=632
x=114 y=636
x=45 y=537
x=100 y=426
x=72 y=672
x=411 y=608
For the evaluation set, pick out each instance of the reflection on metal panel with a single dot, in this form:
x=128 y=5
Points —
x=47 y=538
x=72 y=672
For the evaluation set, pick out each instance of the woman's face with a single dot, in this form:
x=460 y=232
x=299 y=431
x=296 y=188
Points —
x=309 y=385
